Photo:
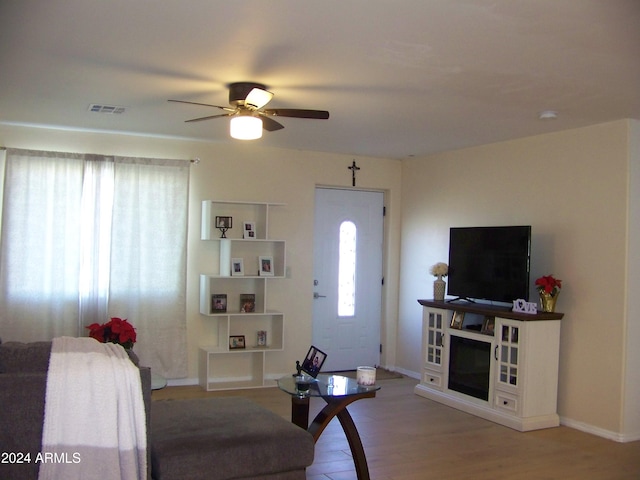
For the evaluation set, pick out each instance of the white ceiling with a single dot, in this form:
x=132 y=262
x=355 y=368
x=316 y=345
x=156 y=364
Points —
x=400 y=77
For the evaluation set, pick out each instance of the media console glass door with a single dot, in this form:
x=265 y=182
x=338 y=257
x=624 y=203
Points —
x=469 y=367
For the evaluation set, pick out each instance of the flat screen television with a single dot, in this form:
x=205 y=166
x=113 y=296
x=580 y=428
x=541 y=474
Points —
x=489 y=263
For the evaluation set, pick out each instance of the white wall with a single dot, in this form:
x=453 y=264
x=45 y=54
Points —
x=631 y=412
x=571 y=187
x=247 y=172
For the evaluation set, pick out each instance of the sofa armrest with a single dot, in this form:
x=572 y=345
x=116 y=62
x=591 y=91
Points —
x=21 y=421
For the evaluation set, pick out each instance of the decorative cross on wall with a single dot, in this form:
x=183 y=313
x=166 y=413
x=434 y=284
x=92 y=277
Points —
x=353 y=169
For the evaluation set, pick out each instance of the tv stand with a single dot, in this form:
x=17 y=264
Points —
x=522 y=362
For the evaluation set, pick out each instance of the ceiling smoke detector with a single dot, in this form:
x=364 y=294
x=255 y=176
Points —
x=548 y=115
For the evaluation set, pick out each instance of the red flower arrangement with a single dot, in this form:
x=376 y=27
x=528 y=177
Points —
x=549 y=285
x=115 y=330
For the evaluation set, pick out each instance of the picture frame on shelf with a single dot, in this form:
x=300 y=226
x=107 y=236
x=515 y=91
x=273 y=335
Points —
x=224 y=223
x=249 y=230
x=236 y=342
x=247 y=303
x=237 y=267
x=265 y=266
x=457 y=320
x=488 y=325
x=262 y=338
x=219 y=303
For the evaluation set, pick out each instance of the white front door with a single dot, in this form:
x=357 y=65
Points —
x=348 y=277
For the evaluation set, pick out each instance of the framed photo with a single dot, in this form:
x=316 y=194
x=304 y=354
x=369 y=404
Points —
x=262 y=338
x=488 y=325
x=237 y=267
x=313 y=361
x=247 y=303
x=236 y=342
x=249 y=230
x=457 y=320
x=224 y=222
x=219 y=303
x=265 y=266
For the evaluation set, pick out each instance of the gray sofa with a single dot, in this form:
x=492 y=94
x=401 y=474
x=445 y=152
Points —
x=215 y=438
x=23 y=382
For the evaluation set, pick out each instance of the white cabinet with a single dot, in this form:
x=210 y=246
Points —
x=433 y=322
x=234 y=301
x=526 y=374
x=507 y=374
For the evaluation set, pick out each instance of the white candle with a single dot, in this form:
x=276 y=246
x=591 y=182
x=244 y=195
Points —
x=366 y=376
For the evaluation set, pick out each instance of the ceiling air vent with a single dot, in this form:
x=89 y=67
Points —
x=110 y=109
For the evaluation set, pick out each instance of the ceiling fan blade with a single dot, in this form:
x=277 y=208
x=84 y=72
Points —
x=210 y=117
x=257 y=98
x=203 y=104
x=297 y=113
x=270 y=125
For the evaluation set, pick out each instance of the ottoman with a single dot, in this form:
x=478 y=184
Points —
x=225 y=438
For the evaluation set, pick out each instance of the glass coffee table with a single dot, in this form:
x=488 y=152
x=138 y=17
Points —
x=158 y=382
x=338 y=392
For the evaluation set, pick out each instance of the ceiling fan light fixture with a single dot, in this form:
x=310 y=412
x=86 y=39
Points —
x=258 y=98
x=245 y=127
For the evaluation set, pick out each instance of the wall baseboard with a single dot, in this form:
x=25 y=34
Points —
x=406 y=372
x=600 y=432
x=182 y=382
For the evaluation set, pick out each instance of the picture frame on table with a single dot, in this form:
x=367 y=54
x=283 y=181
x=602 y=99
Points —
x=236 y=342
x=249 y=230
x=313 y=361
x=237 y=267
x=265 y=266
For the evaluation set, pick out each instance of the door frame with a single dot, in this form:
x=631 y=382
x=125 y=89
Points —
x=385 y=336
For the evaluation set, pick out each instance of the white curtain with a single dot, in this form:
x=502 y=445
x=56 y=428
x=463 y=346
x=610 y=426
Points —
x=149 y=257
x=87 y=237
x=96 y=214
x=40 y=245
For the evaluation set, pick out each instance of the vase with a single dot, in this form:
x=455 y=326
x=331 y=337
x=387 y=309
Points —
x=548 y=301
x=439 y=286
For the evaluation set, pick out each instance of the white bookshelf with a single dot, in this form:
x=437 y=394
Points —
x=220 y=366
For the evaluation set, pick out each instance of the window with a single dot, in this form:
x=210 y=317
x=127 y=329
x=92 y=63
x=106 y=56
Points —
x=347 y=270
x=89 y=237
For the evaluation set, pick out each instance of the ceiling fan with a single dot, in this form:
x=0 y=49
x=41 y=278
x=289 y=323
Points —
x=248 y=117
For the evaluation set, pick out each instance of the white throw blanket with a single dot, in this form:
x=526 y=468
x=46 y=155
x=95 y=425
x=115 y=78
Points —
x=94 y=421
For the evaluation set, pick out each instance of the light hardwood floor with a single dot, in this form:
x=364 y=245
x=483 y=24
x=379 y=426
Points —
x=407 y=437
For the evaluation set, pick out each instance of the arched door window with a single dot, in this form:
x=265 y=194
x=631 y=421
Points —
x=347 y=270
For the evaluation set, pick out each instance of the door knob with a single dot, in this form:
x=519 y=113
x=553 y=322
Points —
x=317 y=295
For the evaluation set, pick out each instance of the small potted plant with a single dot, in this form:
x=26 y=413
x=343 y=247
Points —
x=549 y=288
x=439 y=270
x=116 y=330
